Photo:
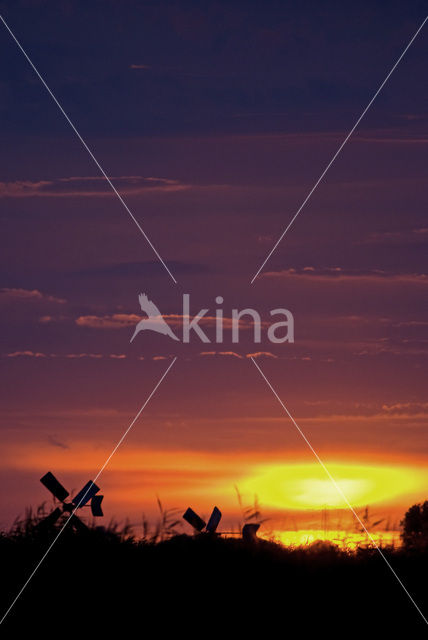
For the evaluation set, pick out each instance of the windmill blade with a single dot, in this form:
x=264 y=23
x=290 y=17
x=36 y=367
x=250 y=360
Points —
x=50 y=520
x=54 y=486
x=249 y=532
x=193 y=519
x=78 y=524
x=96 y=506
x=85 y=494
x=214 y=520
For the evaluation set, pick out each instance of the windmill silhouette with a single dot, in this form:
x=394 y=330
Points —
x=154 y=321
x=198 y=524
x=249 y=530
x=86 y=494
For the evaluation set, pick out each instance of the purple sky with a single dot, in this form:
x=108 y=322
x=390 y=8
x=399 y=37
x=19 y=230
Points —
x=213 y=126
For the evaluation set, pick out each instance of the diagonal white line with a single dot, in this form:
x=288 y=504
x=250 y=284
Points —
x=339 y=490
x=339 y=150
x=26 y=583
x=121 y=200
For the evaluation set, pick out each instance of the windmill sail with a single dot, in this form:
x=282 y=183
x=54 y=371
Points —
x=54 y=486
x=96 y=506
x=85 y=494
x=194 y=520
x=214 y=520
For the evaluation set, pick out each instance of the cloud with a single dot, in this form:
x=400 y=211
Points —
x=233 y=354
x=28 y=294
x=57 y=443
x=418 y=236
x=139 y=66
x=338 y=274
x=411 y=323
x=49 y=319
x=73 y=356
x=89 y=186
x=261 y=354
x=126 y=320
x=397 y=347
x=68 y=356
x=29 y=354
x=115 y=321
x=406 y=408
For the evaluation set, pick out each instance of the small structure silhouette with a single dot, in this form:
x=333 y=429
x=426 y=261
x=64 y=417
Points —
x=249 y=531
x=81 y=499
x=199 y=525
x=154 y=321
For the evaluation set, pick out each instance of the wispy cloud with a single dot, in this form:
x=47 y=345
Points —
x=232 y=354
x=28 y=294
x=411 y=323
x=49 y=319
x=55 y=442
x=339 y=274
x=140 y=66
x=76 y=356
x=417 y=235
x=28 y=354
x=261 y=354
x=94 y=186
x=121 y=320
x=69 y=356
x=114 y=321
x=407 y=408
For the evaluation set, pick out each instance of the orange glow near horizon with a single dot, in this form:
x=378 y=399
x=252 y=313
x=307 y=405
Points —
x=137 y=474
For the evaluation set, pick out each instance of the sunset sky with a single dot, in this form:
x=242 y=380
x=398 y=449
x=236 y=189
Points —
x=214 y=122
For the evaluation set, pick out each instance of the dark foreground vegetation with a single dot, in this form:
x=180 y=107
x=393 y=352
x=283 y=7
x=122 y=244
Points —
x=103 y=583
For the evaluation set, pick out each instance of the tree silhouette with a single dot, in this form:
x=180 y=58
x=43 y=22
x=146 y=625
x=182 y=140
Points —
x=415 y=527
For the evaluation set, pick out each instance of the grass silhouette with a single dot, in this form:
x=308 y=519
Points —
x=107 y=581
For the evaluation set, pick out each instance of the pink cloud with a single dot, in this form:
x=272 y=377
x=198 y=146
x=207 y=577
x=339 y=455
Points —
x=29 y=354
x=68 y=356
x=338 y=274
x=261 y=354
x=115 y=321
x=121 y=320
x=28 y=294
x=220 y=353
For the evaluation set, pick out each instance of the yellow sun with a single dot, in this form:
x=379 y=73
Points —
x=304 y=486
